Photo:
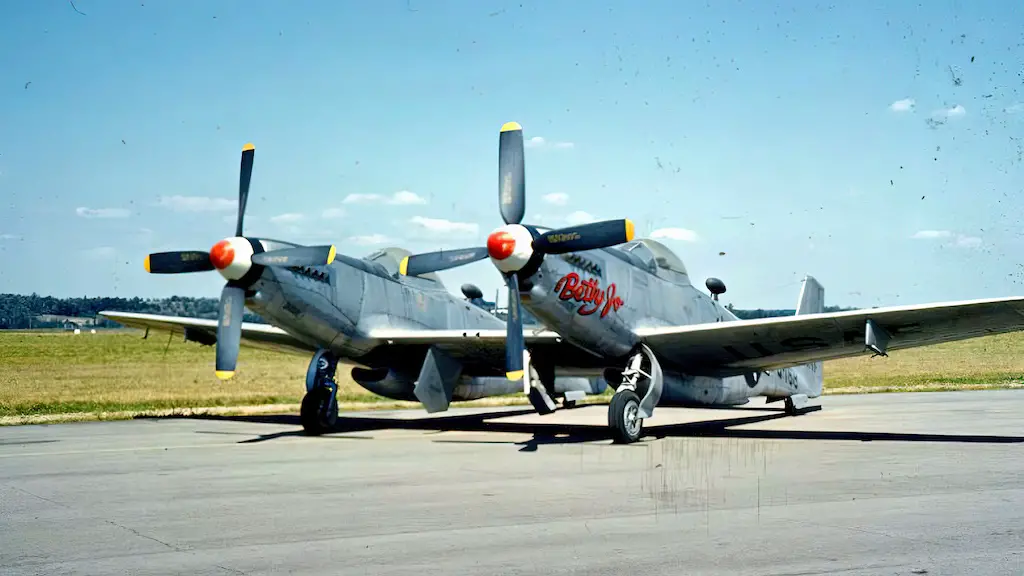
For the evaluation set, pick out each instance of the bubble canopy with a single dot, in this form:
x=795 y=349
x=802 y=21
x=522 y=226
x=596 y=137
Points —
x=651 y=253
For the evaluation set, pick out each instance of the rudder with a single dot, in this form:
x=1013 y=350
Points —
x=812 y=301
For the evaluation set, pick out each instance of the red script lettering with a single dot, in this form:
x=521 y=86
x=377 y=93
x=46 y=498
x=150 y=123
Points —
x=589 y=294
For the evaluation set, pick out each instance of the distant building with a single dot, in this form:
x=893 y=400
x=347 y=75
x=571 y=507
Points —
x=65 y=322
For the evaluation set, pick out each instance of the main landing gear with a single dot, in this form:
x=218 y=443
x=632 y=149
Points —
x=635 y=398
x=319 y=412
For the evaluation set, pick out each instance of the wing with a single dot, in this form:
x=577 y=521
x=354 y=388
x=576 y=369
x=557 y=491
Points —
x=487 y=347
x=204 y=331
x=737 y=347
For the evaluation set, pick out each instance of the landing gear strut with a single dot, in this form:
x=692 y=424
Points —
x=635 y=398
x=319 y=412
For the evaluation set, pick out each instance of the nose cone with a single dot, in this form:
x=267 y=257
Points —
x=222 y=254
x=500 y=245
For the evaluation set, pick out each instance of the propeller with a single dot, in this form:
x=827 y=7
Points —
x=514 y=246
x=240 y=260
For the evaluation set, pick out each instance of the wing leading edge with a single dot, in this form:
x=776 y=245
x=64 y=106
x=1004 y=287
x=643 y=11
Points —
x=204 y=330
x=737 y=347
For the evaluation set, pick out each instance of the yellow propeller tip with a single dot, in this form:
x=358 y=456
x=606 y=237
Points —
x=630 y=231
x=225 y=374
x=403 y=267
x=518 y=374
x=510 y=126
x=145 y=264
x=248 y=146
x=332 y=254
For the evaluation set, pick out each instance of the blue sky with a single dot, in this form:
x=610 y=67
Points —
x=857 y=143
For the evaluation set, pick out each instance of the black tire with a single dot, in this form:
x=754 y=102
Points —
x=312 y=414
x=622 y=417
x=568 y=404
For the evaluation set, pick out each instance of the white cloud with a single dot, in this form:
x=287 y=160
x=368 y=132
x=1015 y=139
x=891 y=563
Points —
x=9 y=237
x=370 y=239
x=557 y=198
x=580 y=217
x=442 y=226
x=932 y=234
x=1014 y=108
x=957 y=110
x=402 y=197
x=360 y=198
x=540 y=142
x=197 y=204
x=905 y=105
x=954 y=112
x=960 y=240
x=289 y=218
x=681 y=234
x=102 y=212
x=100 y=253
x=963 y=241
x=333 y=213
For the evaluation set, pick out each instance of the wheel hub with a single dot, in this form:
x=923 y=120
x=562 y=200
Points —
x=631 y=420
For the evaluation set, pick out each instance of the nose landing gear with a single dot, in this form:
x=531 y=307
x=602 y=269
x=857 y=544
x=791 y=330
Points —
x=319 y=412
x=635 y=398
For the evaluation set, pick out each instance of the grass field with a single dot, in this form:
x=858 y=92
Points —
x=58 y=376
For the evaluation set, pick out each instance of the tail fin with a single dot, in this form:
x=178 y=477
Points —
x=812 y=297
x=812 y=301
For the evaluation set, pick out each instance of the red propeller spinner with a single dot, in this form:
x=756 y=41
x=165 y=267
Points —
x=500 y=245
x=222 y=254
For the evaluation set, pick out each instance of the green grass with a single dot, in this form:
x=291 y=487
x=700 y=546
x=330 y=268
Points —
x=46 y=373
x=58 y=375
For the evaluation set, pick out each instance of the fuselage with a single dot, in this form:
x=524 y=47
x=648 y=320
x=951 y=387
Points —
x=335 y=306
x=598 y=299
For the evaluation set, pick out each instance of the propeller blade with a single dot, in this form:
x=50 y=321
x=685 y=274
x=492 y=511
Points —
x=245 y=175
x=511 y=174
x=514 y=345
x=229 y=329
x=442 y=260
x=178 y=262
x=301 y=256
x=585 y=237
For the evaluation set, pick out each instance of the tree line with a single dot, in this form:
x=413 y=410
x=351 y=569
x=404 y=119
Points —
x=19 y=311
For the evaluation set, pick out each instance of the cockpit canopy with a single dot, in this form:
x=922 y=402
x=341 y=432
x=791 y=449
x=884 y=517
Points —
x=391 y=258
x=655 y=257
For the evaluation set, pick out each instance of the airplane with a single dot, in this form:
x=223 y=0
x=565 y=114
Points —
x=655 y=338
x=339 y=307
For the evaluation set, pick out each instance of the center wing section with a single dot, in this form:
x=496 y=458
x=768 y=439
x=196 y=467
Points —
x=742 y=346
x=487 y=346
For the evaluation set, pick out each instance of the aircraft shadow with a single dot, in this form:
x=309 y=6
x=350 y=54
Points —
x=561 y=433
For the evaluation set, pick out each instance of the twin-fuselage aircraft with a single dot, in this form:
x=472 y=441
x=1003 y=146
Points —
x=614 y=311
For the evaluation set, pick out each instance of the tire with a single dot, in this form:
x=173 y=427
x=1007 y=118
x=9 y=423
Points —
x=622 y=417
x=312 y=416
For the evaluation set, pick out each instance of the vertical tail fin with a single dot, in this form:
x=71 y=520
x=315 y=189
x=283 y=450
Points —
x=812 y=297
x=812 y=301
